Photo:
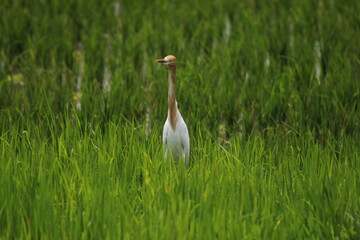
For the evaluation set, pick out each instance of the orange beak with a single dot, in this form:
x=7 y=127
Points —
x=161 y=61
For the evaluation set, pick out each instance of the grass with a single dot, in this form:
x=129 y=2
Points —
x=269 y=91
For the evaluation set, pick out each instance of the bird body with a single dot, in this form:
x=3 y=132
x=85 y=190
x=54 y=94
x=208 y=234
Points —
x=176 y=142
x=175 y=134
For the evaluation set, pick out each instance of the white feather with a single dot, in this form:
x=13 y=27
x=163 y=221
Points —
x=176 y=142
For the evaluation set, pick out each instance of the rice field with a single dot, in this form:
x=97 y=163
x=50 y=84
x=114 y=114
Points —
x=270 y=92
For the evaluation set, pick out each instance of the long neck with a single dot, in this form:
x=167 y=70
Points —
x=172 y=109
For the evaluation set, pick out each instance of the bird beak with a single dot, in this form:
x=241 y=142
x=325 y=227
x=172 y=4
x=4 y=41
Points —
x=161 y=61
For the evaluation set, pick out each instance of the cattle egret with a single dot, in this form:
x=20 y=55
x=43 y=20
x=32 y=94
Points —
x=175 y=134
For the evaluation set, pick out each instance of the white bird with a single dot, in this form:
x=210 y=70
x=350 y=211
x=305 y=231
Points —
x=175 y=134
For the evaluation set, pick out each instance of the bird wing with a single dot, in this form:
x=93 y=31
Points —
x=185 y=142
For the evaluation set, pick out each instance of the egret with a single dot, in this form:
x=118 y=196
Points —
x=175 y=134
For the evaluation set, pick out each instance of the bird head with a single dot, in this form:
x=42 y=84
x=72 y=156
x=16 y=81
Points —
x=169 y=61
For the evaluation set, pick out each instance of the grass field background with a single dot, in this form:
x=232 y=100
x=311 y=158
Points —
x=270 y=92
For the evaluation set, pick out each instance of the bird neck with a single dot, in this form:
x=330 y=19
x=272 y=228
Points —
x=172 y=108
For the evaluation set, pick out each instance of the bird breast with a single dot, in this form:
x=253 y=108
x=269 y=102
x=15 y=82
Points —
x=176 y=141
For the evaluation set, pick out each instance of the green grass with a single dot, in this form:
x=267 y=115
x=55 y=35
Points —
x=274 y=148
